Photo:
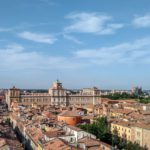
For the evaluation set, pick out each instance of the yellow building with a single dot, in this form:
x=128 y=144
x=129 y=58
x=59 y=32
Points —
x=123 y=130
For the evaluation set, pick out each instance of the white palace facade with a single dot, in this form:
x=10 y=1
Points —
x=56 y=96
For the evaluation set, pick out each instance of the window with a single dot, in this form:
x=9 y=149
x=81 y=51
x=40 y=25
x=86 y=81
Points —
x=138 y=141
x=129 y=137
x=138 y=134
x=71 y=139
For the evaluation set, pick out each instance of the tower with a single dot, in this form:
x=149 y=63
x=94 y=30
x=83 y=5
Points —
x=58 y=94
x=12 y=95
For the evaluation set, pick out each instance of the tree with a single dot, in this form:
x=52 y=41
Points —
x=117 y=96
x=101 y=126
x=133 y=146
x=115 y=138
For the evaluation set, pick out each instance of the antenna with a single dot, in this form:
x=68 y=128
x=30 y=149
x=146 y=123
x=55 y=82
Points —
x=57 y=78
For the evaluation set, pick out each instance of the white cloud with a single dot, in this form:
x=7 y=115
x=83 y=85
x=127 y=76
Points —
x=15 y=57
x=92 y=23
x=72 y=38
x=41 y=38
x=142 y=21
x=135 y=52
x=13 y=48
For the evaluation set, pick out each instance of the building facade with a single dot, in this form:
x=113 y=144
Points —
x=135 y=132
x=56 y=96
x=123 y=130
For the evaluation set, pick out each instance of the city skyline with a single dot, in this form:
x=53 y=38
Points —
x=82 y=43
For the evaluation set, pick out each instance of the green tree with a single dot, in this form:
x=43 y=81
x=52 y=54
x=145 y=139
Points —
x=133 y=146
x=115 y=138
x=101 y=126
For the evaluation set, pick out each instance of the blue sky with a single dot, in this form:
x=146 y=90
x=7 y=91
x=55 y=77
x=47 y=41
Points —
x=83 y=43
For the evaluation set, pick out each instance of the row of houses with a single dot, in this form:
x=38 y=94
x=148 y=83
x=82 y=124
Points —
x=40 y=130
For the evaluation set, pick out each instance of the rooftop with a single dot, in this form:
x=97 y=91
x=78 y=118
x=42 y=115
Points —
x=69 y=113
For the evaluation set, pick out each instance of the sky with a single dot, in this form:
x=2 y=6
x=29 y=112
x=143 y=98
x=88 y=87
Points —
x=83 y=43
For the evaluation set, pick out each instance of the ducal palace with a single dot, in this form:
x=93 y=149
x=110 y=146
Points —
x=56 y=96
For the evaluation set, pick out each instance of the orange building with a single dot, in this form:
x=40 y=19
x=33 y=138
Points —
x=70 y=117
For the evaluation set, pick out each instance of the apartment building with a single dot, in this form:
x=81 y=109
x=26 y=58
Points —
x=141 y=134
x=131 y=131
x=123 y=129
